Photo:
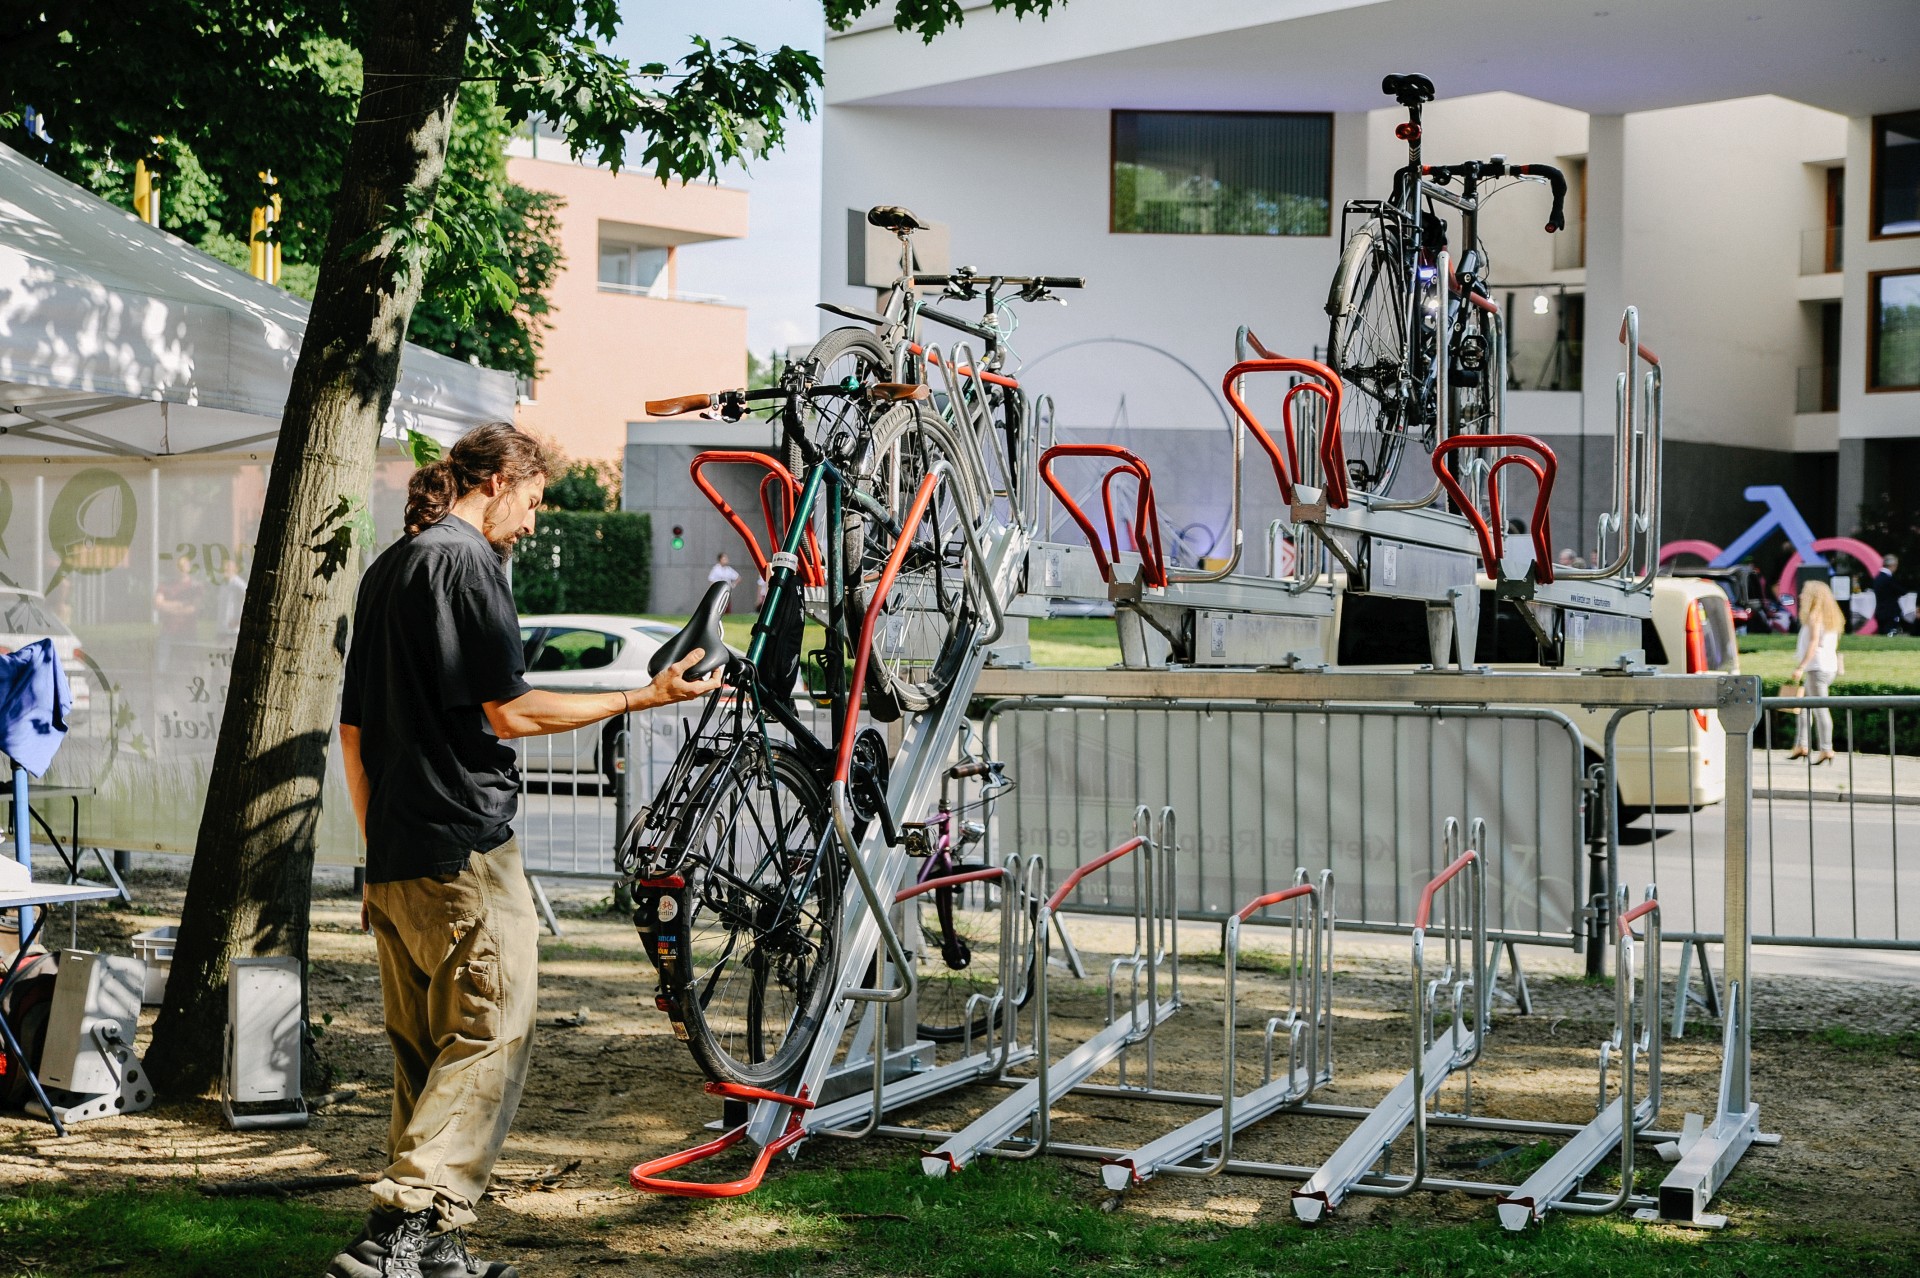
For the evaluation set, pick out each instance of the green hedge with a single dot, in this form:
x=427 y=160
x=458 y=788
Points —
x=581 y=561
x=1869 y=726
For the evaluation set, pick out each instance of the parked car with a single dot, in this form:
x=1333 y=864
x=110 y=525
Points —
x=583 y=652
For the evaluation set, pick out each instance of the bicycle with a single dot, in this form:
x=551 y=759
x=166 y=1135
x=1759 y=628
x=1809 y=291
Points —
x=738 y=866
x=1385 y=307
x=960 y=925
x=979 y=392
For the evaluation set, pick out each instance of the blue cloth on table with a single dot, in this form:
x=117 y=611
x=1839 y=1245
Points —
x=34 y=700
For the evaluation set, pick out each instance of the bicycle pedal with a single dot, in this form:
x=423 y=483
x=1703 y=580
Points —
x=919 y=838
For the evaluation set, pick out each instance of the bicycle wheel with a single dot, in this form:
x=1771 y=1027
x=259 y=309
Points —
x=764 y=897
x=1472 y=374
x=851 y=358
x=1383 y=405
x=960 y=958
x=929 y=617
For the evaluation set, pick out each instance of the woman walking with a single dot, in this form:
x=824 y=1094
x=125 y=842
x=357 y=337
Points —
x=1821 y=625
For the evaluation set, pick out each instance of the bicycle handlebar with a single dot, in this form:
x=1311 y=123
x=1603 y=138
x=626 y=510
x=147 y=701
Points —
x=1017 y=281
x=1441 y=174
x=1557 y=181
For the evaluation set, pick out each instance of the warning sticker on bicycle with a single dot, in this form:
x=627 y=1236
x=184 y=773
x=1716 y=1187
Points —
x=783 y=559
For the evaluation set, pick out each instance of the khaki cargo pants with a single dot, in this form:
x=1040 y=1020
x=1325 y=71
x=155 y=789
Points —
x=458 y=956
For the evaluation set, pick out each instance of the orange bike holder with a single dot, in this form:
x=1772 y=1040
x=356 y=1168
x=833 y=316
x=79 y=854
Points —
x=1153 y=559
x=1326 y=385
x=647 y=1175
x=1491 y=527
x=812 y=572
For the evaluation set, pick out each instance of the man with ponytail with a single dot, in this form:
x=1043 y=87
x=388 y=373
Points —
x=435 y=689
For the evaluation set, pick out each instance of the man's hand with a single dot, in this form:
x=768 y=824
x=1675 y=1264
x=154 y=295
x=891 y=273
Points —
x=672 y=685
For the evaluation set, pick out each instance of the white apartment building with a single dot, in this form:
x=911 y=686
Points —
x=1747 y=174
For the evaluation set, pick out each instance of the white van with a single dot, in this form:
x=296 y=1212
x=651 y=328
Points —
x=1691 y=631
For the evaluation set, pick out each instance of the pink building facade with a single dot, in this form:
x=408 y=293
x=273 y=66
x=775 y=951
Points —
x=621 y=332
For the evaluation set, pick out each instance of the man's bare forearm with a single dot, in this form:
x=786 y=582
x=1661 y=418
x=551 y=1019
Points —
x=538 y=712
x=358 y=788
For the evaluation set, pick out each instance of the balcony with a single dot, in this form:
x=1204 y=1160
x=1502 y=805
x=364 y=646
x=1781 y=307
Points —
x=658 y=293
x=1820 y=250
x=1817 y=389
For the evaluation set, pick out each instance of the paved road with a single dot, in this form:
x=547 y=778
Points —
x=1820 y=867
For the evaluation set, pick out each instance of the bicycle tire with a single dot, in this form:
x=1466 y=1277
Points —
x=762 y=873
x=960 y=957
x=932 y=613
x=1366 y=345
x=835 y=425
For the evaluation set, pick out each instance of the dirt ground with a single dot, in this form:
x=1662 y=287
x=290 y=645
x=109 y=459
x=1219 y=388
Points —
x=615 y=1088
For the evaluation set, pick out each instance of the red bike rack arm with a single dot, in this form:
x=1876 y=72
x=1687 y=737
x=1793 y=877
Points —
x=1146 y=514
x=812 y=571
x=951 y=880
x=1424 y=914
x=647 y=1176
x=1492 y=534
x=966 y=370
x=1273 y=898
x=1153 y=561
x=1645 y=354
x=1100 y=862
x=1333 y=457
x=1639 y=911
x=843 y=762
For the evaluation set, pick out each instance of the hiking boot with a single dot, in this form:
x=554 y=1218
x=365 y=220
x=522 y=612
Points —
x=446 y=1256
x=389 y=1246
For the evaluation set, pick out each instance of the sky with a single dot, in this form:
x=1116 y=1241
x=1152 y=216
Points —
x=775 y=271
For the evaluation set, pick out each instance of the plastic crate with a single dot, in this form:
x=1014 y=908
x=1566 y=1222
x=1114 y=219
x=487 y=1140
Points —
x=155 y=949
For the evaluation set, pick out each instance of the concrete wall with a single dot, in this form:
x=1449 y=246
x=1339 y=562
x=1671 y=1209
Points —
x=656 y=481
x=607 y=353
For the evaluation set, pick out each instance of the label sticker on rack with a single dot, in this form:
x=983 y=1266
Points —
x=895 y=637
x=784 y=559
x=1219 y=636
x=1050 y=574
x=1389 y=564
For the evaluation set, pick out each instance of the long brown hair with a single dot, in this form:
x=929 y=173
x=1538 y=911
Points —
x=477 y=456
x=1819 y=608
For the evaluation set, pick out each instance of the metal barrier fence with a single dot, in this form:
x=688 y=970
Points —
x=1264 y=788
x=577 y=788
x=1835 y=845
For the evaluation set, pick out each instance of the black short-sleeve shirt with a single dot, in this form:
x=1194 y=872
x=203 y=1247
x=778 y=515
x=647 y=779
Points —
x=435 y=634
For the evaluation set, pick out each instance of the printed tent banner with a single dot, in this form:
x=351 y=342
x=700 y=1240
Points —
x=141 y=388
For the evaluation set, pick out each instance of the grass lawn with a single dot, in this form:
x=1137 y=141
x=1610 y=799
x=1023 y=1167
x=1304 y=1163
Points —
x=1879 y=659
x=163 y=1233
x=997 y=1219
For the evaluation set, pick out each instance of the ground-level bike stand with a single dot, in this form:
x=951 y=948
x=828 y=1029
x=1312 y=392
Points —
x=1308 y=1025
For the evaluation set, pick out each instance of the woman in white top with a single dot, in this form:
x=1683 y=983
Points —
x=1821 y=625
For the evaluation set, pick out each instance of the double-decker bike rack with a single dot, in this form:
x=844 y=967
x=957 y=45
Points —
x=1263 y=637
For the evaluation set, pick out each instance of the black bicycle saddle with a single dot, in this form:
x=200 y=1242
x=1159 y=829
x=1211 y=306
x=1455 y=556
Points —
x=701 y=631
x=1408 y=90
x=893 y=218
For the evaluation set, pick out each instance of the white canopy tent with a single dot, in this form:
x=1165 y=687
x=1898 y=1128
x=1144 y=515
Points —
x=159 y=349
x=141 y=388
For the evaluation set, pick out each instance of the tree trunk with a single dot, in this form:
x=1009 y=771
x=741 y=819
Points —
x=251 y=886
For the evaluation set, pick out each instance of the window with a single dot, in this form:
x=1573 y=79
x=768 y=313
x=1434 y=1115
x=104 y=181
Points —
x=554 y=651
x=632 y=268
x=1893 y=330
x=1896 y=175
x=1222 y=173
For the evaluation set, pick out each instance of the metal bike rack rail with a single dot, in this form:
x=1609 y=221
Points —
x=1436 y=1057
x=1156 y=946
x=1308 y=1025
x=1734 y=1124
x=1554 y=1186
